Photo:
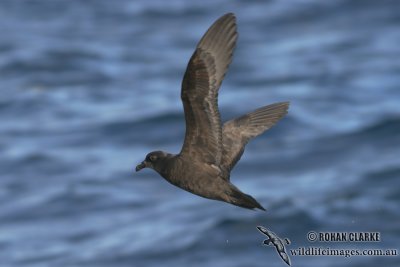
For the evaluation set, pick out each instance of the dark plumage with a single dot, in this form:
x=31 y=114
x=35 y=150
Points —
x=210 y=151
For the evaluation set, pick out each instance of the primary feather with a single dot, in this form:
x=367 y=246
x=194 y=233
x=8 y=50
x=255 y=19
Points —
x=203 y=77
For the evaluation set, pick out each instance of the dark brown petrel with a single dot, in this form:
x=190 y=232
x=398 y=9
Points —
x=210 y=151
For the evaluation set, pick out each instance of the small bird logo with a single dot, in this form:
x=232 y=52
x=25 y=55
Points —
x=276 y=241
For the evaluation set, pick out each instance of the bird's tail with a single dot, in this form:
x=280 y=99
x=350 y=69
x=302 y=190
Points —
x=238 y=198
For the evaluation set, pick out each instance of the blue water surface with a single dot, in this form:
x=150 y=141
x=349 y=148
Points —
x=88 y=88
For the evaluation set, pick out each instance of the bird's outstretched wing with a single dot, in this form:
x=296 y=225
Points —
x=203 y=77
x=265 y=231
x=237 y=132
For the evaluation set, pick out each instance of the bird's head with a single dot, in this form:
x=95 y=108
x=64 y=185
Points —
x=154 y=160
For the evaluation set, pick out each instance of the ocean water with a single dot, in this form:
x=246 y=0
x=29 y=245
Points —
x=88 y=88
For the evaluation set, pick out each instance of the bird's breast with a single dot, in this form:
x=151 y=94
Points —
x=200 y=179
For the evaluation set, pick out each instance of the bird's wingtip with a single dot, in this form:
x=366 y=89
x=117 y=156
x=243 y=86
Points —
x=229 y=14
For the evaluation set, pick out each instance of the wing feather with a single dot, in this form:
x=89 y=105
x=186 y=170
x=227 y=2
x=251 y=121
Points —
x=203 y=77
x=237 y=133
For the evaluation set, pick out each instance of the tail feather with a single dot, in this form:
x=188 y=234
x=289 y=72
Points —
x=238 y=198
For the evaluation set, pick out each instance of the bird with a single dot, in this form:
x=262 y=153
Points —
x=279 y=243
x=210 y=150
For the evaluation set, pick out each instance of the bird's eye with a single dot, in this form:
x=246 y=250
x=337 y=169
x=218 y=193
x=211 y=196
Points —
x=152 y=158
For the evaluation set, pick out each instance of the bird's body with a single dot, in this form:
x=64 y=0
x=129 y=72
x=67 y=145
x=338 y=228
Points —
x=211 y=150
x=202 y=179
